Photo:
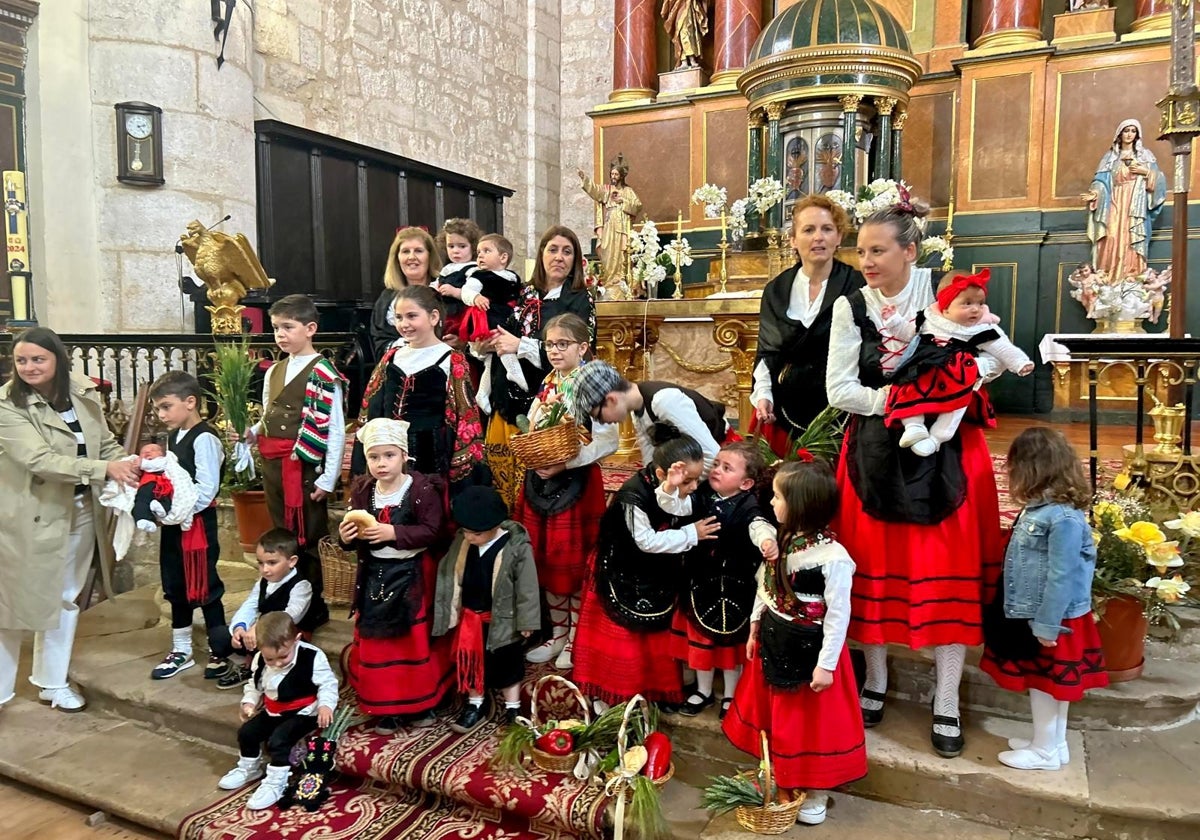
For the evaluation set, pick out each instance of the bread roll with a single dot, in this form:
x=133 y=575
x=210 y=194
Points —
x=361 y=519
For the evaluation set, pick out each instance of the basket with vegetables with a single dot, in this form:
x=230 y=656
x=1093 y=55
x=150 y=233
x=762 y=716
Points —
x=551 y=744
x=642 y=765
x=554 y=438
x=752 y=798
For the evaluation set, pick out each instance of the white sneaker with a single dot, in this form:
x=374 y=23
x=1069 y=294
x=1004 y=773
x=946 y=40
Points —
x=1030 y=759
x=246 y=771
x=812 y=812
x=912 y=434
x=65 y=699
x=1064 y=752
x=546 y=650
x=271 y=790
x=564 y=661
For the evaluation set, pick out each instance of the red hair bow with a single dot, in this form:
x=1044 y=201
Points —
x=960 y=284
x=905 y=202
x=804 y=455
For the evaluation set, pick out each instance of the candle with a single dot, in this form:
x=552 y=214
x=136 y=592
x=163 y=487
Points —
x=722 y=225
x=20 y=298
x=679 y=227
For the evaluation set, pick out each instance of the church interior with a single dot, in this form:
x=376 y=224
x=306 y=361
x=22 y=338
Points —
x=172 y=169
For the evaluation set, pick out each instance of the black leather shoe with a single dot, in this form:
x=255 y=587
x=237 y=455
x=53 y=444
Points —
x=693 y=707
x=510 y=716
x=872 y=717
x=470 y=717
x=947 y=746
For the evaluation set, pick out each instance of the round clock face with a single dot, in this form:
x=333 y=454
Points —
x=138 y=126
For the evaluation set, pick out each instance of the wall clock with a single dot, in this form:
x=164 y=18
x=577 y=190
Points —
x=139 y=144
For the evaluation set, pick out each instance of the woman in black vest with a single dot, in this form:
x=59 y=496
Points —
x=797 y=309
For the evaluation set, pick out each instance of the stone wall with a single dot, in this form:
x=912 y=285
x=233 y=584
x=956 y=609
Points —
x=587 y=65
x=102 y=251
x=468 y=86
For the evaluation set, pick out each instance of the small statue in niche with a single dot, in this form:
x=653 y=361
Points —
x=1086 y=5
x=686 y=21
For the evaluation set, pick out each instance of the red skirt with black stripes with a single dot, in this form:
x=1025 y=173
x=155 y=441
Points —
x=1065 y=671
x=697 y=649
x=815 y=740
x=924 y=585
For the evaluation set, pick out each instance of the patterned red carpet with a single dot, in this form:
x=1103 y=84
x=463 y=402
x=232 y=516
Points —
x=422 y=783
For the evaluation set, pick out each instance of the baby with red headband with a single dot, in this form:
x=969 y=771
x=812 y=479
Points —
x=942 y=373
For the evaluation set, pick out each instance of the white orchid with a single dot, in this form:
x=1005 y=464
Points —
x=737 y=217
x=680 y=252
x=765 y=193
x=713 y=198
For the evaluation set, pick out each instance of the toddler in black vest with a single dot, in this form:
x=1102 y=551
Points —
x=280 y=589
x=298 y=692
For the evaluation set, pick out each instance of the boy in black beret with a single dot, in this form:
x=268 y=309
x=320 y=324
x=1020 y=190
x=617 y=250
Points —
x=487 y=593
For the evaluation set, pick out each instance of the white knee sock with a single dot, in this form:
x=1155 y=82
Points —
x=731 y=676
x=1044 y=709
x=560 y=614
x=948 y=660
x=181 y=639
x=877 y=676
x=917 y=421
x=704 y=683
x=1060 y=722
x=944 y=427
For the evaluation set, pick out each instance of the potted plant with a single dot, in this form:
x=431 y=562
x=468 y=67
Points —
x=1140 y=576
x=233 y=372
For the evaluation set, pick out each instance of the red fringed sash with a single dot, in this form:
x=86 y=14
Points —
x=195 y=561
x=277 y=707
x=281 y=449
x=474 y=325
x=468 y=651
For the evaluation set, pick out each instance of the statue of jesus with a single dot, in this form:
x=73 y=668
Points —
x=620 y=205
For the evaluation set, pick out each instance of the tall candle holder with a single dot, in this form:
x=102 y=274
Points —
x=678 y=293
x=724 y=245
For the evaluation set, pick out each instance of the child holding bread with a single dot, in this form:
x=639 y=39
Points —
x=397 y=672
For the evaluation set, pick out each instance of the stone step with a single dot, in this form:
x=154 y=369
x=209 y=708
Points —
x=125 y=769
x=1119 y=785
x=1167 y=694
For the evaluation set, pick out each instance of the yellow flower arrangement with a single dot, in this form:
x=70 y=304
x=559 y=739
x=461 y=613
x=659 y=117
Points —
x=1126 y=554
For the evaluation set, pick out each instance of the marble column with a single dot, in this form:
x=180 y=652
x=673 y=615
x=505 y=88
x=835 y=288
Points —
x=1009 y=23
x=849 y=139
x=897 y=144
x=738 y=23
x=884 y=106
x=754 y=159
x=634 y=59
x=774 y=159
x=1151 y=15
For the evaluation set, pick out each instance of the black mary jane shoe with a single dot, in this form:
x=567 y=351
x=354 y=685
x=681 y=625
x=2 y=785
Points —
x=725 y=704
x=470 y=717
x=872 y=717
x=693 y=706
x=947 y=746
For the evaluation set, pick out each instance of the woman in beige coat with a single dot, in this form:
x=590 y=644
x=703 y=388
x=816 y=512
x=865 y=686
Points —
x=55 y=454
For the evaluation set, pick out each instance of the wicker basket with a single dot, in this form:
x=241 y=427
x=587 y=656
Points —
x=623 y=738
x=555 y=763
x=546 y=447
x=771 y=817
x=339 y=569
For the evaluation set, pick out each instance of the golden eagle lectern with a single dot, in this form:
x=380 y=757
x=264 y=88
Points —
x=228 y=266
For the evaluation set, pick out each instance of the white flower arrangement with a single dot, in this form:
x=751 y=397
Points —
x=936 y=246
x=737 y=217
x=713 y=198
x=644 y=252
x=877 y=195
x=765 y=193
x=679 y=251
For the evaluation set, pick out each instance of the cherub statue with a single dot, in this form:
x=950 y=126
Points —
x=1083 y=282
x=1156 y=284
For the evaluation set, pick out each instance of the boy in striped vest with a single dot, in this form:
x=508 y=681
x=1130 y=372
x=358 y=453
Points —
x=301 y=436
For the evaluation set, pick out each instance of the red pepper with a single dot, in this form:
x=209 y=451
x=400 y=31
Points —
x=658 y=755
x=556 y=742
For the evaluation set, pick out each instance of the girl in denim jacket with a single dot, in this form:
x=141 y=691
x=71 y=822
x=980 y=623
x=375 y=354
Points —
x=1048 y=571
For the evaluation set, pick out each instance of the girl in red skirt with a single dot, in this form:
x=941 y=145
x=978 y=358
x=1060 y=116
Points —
x=399 y=675
x=561 y=505
x=623 y=644
x=1048 y=570
x=710 y=627
x=799 y=685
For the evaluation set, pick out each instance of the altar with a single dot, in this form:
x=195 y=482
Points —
x=709 y=345
x=1116 y=384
